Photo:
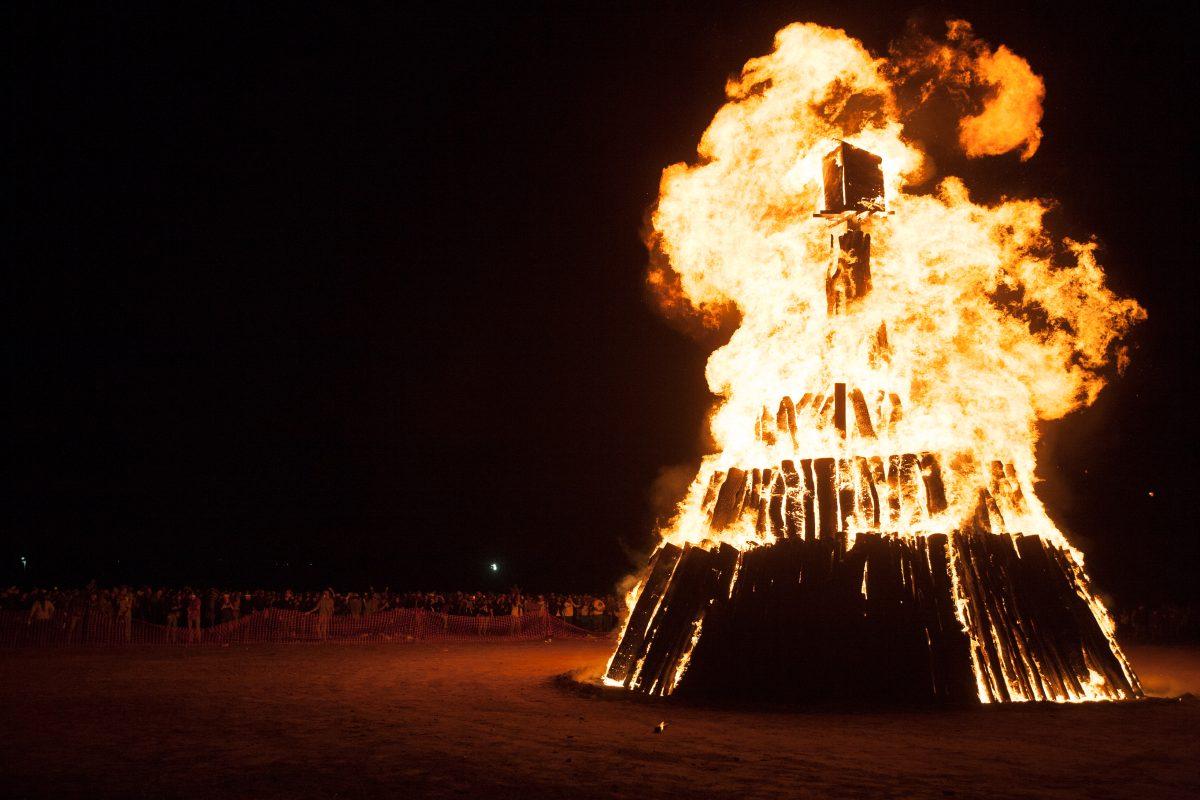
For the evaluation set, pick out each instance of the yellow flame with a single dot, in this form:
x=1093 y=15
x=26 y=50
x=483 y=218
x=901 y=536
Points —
x=992 y=324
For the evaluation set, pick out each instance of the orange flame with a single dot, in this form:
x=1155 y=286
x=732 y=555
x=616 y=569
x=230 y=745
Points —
x=963 y=66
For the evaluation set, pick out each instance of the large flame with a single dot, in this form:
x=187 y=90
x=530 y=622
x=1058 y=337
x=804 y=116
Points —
x=991 y=324
x=978 y=323
x=1013 y=93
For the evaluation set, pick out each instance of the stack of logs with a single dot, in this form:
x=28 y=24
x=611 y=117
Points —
x=807 y=616
x=814 y=498
x=1038 y=639
x=825 y=410
x=808 y=620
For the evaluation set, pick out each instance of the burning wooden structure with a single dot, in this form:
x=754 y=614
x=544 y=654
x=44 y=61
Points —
x=851 y=575
x=805 y=620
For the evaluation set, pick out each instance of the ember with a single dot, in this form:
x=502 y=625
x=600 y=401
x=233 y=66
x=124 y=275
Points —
x=868 y=527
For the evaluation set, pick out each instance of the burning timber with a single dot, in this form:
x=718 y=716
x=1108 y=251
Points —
x=841 y=569
x=815 y=619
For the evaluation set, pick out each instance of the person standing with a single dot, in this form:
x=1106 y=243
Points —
x=210 y=608
x=515 y=611
x=39 y=617
x=125 y=614
x=160 y=606
x=324 y=614
x=100 y=617
x=193 y=618
x=42 y=609
x=173 y=610
x=75 y=609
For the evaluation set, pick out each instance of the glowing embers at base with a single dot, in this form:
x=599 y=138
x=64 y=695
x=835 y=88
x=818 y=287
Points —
x=882 y=620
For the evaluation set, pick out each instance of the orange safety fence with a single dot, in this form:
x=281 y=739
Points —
x=278 y=625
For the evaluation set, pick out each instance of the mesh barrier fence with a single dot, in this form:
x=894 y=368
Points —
x=278 y=625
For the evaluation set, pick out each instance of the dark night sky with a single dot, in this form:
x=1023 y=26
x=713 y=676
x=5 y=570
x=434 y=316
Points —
x=364 y=288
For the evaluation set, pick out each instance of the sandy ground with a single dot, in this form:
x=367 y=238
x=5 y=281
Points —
x=489 y=721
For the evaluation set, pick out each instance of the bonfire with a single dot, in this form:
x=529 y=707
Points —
x=867 y=525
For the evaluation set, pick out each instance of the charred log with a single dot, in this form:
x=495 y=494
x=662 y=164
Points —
x=862 y=417
x=935 y=488
x=839 y=408
x=794 y=500
x=809 y=621
x=810 y=494
x=662 y=565
x=729 y=499
x=826 y=497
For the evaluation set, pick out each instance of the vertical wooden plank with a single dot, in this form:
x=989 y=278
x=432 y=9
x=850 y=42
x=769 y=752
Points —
x=862 y=417
x=953 y=646
x=910 y=490
x=753 y=490
x=981 y=519
x=793 y=500
x=839 y=408
x=826 y=497
x=810 y=494
x=846 y=498
x=691 y=588
x=662 y=564
x=714 y=485
x=778 y=524
x=935 y=489
x=893 y=482
x=729 y=499
x=868 y=495
x=785 y=420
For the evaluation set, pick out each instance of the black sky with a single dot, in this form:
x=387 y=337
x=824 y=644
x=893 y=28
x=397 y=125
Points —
x=363 y=288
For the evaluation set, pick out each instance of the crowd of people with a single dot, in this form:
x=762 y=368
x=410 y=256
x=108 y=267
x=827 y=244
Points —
x=206 y=607
x=595 y=612
x=200 y=608
x=1166 y=624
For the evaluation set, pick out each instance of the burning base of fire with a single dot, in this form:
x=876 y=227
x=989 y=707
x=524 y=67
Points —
x=804 y=620
x=797 y=607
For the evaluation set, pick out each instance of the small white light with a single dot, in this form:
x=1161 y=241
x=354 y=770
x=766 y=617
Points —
x=495 y=567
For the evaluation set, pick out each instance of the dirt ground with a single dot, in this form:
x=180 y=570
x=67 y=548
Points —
x=489 y=721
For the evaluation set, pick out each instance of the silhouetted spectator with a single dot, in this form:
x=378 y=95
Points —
x=324 y=613
x=193 y=618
